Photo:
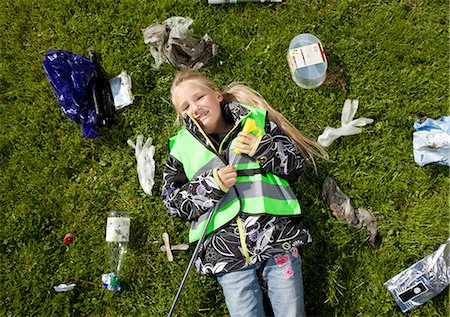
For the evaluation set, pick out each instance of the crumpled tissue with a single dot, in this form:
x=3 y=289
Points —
x=145 y=162
x=171 y=42
x=431 y=141
x=349 y=126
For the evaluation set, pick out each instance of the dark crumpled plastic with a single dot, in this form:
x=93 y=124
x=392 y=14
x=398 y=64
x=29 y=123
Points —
x=342 y=209
x=171 y=42
x=70 y=77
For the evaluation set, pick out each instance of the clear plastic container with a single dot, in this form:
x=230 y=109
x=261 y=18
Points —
x=117 y=236
x=307 y=61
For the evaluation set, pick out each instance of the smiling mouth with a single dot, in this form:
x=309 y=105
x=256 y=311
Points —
x=201 y=116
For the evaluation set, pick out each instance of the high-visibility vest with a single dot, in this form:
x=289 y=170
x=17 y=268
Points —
x=256 y=191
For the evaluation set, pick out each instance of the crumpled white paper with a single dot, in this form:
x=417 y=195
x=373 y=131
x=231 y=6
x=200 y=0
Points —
x=145 y=162
x=349 y=126
x=431 y=141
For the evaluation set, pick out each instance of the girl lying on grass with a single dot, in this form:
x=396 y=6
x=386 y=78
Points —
x=257 y=224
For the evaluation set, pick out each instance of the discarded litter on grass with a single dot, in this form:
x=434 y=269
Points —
x=431 y=141
x=145 y=162
x=70 y=76
x=168 y=248
x=121 y=90
x=423 y=280
x=117 y=237
x=349 y=126
x=83 y=92
x=307 y=61
x=64 y=287
x=69 y=238
x=171 y=42
x=342 y=210
x=111 y=282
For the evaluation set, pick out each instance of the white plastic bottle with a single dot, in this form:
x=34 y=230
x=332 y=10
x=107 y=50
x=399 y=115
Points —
x=307 y=61
x=117 y=236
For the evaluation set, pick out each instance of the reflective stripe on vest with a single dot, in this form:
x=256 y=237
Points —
x=254 y=192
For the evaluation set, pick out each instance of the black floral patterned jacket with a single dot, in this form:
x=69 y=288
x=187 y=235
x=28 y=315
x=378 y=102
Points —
x=265 y=235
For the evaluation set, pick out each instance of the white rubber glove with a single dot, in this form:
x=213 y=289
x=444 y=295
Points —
x=349 y=126
x=145 y=162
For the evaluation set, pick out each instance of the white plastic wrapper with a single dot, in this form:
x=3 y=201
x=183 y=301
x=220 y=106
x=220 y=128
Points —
x=423 y=280
x=145 y=162
x=431 y=141
x=349 y=126
x=64 y=287
x=121 y=90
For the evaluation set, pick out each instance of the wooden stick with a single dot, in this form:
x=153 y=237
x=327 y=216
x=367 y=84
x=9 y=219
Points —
x=165 y=237
x=176 y=247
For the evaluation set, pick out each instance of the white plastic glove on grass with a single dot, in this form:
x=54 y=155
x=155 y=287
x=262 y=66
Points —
x=349 y=126
x=145 y=162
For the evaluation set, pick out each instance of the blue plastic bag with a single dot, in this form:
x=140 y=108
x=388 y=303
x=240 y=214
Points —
x=70 y=76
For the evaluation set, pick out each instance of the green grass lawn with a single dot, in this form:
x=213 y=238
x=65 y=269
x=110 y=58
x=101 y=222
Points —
x=393 y=56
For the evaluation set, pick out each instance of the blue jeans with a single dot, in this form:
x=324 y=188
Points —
x=283 y=276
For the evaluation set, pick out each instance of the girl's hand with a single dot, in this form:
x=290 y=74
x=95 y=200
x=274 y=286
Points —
x=246 y=142
x=227 y=175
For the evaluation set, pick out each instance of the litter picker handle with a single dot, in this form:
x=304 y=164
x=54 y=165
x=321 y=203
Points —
x=194 y=256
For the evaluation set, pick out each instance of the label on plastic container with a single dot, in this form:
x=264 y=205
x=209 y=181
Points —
x=117 y=229
x=306 y=56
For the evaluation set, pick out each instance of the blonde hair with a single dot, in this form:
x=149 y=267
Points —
x=243 y=94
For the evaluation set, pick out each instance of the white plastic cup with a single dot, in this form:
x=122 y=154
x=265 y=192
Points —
x=307 y=61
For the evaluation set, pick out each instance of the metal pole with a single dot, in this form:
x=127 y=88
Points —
x=186 y=274
x=200 y=242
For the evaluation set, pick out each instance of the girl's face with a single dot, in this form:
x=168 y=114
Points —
x=202 y=104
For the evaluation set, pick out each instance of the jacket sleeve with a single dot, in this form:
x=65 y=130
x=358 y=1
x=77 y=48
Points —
x=188 y=199
x=277 y=154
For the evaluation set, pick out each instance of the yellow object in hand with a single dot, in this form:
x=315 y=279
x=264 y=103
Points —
x=250 y=126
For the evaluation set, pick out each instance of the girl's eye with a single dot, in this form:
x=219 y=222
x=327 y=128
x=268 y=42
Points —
x=200 y=97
